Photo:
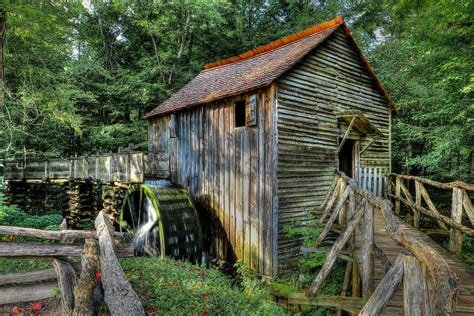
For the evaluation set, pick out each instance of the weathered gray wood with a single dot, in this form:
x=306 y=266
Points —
x=345 y=255
x=28 y=277
x=87 y=282
x=416 y=213
x=367 y=252
x=47 y=234
x=455 y=240
x=26 y=293
x=466 y=202
x=51 y=250
x=429 y=202
x=334 y=215
x=384 y=291
x=349 y=304
x=338 y=245
x=398 y=181
x=118 y=293
x=415 y=288
x=67 y=280
x=450 y=222
x=447 y=186
x=337 y=191
x=383 y=259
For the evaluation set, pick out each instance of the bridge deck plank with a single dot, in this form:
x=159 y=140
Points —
x=465 y=299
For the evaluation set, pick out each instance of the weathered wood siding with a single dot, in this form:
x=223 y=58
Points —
x=232 y=170
x=329 y=80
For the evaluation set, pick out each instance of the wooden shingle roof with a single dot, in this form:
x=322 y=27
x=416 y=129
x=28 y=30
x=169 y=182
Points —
x=254 y=69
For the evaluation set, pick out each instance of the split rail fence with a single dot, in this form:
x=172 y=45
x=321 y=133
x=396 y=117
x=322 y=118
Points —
x=99 y=266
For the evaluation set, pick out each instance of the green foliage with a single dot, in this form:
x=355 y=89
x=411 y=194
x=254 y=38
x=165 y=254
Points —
x=173 y=287
x=13 y=216
x=24 y=265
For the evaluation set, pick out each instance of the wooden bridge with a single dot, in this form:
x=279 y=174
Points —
x=412 y=274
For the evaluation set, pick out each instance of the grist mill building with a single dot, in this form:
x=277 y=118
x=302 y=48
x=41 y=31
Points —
x=257 y=138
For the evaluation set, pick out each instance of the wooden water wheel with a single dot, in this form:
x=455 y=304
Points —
x=173 y=230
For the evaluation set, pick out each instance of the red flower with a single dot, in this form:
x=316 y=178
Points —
x=204 y=313
x=206 y=295
x=305 y=292
x=38 y=306
x=16 y=310
x=98 y=275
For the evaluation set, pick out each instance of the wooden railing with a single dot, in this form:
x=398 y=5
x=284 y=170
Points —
x=430 y=286
x=98 y=254
x=131 y=167
x=460 y=203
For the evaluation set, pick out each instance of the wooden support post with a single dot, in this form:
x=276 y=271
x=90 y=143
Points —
x=416 y=213
x=384 y=290
x=367 y=252
x=67 y=280
x=416 y=300
x=455 y=241
x=340 y=242
x=356 y=282
x=119 y=295
x=332 y=200
x=333 y=216
x=430 y=204
x=466 y=202
x=398 y=181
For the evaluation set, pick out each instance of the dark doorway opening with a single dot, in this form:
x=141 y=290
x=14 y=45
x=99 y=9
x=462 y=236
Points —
x=346 y=157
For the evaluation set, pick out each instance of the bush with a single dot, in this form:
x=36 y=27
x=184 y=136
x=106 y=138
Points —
x=173 y=287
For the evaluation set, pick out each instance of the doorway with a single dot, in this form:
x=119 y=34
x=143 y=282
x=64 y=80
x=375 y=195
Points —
x=349 y=157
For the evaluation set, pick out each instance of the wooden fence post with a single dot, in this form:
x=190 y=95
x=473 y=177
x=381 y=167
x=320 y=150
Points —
x=416 y=213
x=397 y=194
x=416 y=300
x=455 y=241
x=367 y=252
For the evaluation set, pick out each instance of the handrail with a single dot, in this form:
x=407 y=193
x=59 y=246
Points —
x=446 y=186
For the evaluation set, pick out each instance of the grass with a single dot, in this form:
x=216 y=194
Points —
x=24 y=265
x=172 y=287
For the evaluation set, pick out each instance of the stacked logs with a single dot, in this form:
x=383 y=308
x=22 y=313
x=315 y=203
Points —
x=16 y=193
x=113 y=195
x=82 y=207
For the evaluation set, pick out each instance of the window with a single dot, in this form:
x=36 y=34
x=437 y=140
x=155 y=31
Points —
x=239 y=108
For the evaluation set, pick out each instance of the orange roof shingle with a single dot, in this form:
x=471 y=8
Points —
x=253 y=69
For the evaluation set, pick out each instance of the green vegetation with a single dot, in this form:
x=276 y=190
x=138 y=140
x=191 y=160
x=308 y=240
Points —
x=78 y=78
x=170 y=287
x=23 y=265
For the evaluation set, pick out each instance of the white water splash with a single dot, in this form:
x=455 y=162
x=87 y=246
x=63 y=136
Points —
x=145 y=232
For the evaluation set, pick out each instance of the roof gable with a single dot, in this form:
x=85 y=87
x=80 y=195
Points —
x=255 y=69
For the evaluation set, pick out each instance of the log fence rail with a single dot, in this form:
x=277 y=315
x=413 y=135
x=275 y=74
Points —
x=99 y=253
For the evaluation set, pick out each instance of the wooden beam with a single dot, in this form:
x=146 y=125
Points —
x=345 y=255
x=466 y=202
x=350 y=304
x=332 y=188
x=384 y=291
x=416 y=213
x=367 y=252
x=445 y=219
x=340 y=242
x=447 y=186
x=398 y=181
x=67 y=279
x=27 y=250
x=416 y=300
x=455 y=240
x=346 y=134
x=383 y=259
x=333 y=216
x=47 y=234
x=119 y=295
x=430 y=204
x=332 y=200
x=26 y=292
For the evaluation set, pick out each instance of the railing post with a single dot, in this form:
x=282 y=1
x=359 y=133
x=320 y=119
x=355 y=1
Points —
x=416 y=213
x=455 y=241
x=415 y=289
x=397 y=194
x=367 y=251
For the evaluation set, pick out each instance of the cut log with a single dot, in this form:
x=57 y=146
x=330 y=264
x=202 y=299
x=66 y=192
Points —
x=331 y=258
x=26 y=293
x=350 y=304
x=119 y=295
x=32 y=277
x=67 y=279
x=384 y=291
x=54 y=235
x=25 y=250
x=415 y=290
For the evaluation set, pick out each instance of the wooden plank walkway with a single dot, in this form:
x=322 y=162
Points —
x=465 y=274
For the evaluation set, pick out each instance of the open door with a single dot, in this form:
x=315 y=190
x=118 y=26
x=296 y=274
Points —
x=349 y=157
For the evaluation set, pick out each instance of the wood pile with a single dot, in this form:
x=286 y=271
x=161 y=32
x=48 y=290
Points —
x=82 y=206
x=113 y=195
